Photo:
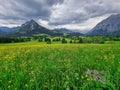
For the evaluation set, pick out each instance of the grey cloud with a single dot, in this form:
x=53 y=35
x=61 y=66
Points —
x=55 y=12
x=77 y=11
x=16 y=10
x=51 y=2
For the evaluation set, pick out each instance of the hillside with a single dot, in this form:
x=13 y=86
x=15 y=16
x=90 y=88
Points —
x=2 y=33
x=63 y=30
x=108 y=27
x=68 y=32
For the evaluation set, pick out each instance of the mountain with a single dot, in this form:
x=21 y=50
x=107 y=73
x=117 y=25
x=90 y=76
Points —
x=108 y=27
x=2 y=33
x=63 y=30
x=81 y=31
x=69 y=32
x=30 y=28
x=6 y=29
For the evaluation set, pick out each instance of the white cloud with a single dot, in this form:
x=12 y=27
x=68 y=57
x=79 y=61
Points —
x=86 y=25
x=10 y=23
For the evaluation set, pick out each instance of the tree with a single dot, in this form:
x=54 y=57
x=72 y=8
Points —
x=48 y=40
x=64 y=40
x=56 y=39
x=40 y=40
x=80 y=40
x=71 y=41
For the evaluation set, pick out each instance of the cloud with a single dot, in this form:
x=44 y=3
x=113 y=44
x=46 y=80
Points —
x=22 y=10
x=85 y=25
x=79 y=14
x=77 y=11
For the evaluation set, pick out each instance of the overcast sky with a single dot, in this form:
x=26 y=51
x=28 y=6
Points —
x=71 y=14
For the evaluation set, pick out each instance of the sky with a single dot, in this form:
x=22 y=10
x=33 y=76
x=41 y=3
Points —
x=71 y=14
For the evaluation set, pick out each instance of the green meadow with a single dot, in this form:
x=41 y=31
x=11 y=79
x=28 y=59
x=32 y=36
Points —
x=41 y=66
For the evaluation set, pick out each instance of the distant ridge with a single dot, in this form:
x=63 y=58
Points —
x=2 y=32
x=63 y=30
x=69 y=32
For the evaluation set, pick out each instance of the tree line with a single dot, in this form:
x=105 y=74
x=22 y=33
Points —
x=12 y=40
x=64 y=40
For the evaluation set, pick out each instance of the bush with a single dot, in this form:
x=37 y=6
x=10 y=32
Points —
x=56 y=39
x=40 y=40
x=70 y=41
x=80 y=40
x=48 y=40
x=64 y=40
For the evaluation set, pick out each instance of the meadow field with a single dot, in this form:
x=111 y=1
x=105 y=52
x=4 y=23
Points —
x=35 y=66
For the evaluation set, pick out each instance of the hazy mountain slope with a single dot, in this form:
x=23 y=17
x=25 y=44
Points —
x=69 y=32
x=109 y=26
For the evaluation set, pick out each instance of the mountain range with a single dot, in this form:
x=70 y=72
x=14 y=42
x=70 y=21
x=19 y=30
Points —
x=62 y=30
x=107 y=27
x=68 y=31
x=31 y=28
x=2 y=32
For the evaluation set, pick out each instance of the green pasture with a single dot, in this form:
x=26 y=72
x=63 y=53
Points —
x=41 y=66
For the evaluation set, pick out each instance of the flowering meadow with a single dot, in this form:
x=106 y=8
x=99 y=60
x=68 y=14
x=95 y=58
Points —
x=60 y=67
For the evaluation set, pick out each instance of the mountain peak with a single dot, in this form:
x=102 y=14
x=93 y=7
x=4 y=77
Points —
x=31 y=23
x=32 y=20
x=31 y=27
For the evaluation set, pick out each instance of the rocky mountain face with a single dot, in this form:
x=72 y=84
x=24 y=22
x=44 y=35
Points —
x=108 y=27
x=31 y=27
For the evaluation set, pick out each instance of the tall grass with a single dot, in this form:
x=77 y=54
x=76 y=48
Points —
x=60 y=67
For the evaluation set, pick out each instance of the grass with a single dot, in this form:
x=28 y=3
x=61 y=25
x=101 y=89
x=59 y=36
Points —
x=112 y=42
x=36 y=66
